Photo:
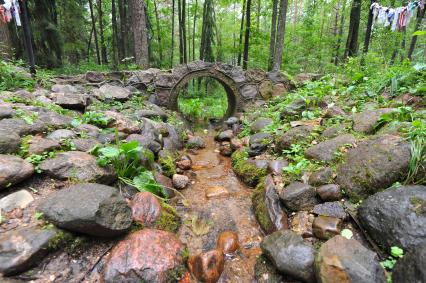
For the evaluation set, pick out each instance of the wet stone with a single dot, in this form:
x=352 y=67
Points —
x=216 y=192
x=329 y=192
x=411 y=268
x=225 y=149
x=184 y=163
x=301 y=224
x=324 y=151
x=299 y=196
x=325 y=227
x=9 y=141
x=180 y=181
x=146 y=208
x=23 y=248
x=147 y=255
x=343 y=260
x=290 y=254
x=195 y=142
x=260 y=124
x=225 y=136
x=227 y=242
x=231 y=121
x=84 y=145
x=332 y=209
x=20 y=199
x=92 y=209
x=208 y=266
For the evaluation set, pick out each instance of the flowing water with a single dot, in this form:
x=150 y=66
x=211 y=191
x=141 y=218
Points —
x=225 y=213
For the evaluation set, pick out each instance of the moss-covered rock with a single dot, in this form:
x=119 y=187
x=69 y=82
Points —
x=169 y=219
x=167 y=163
x=259 y=208
x=245 y=170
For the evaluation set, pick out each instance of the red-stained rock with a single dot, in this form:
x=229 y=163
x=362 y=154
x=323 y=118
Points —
x=207 y=267
x=147 y=255
x=146 y=208
x=227 y=242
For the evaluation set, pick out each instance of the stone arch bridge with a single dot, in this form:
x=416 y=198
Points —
x=241 y=86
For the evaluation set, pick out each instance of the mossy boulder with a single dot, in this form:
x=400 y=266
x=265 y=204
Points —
x=167 y=163
x=267 y=207
x=169 y=219
x=245 y=170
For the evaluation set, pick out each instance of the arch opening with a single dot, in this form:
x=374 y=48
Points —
x=213 y=93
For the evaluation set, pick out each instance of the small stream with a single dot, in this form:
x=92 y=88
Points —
x=230 y=212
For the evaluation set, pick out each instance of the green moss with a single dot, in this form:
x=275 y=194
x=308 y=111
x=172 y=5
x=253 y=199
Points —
x=185 y=254
x=167 y=164
x=169 y=219
x=248 y=172
x=259 y=208
x=61 y=239
x=175 y=274
x=25 y=145
x=419 y=205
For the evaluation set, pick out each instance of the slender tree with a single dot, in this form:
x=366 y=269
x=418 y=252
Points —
x=367 y=37
x=123 y=26
x=114 y=34
x=340 y=33
x=247 y=36
x=240 y=44
x=101 y=33
x=352 y=40
x=193 y=29
x=207 y=32
x=157 y=20
x=280 y=37
x=420 y=16
x=173 y=34
x=273 y=34
x=140 y=33
x=95 y=34
x=5 y=42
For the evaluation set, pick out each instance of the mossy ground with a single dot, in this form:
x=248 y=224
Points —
x=259 y=208
x=169 y=219
x=248 y=172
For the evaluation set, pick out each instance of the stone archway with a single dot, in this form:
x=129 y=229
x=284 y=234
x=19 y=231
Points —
x=241 y=86
x=228 y=84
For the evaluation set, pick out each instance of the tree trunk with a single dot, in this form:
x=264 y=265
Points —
x=258 y=16
x=173 y=34
x=247 y=36
x=101 y=32
x=180 y=32
x=95 y=34
x=114 y=34
x=157 y=19
x=340 y=34
x=123 y=35
x=367 y=37
x=420 y=16
x=352 y=41
x=280 y=38
x=140 y=33
x=185 y=58
x=273 y=34
x=241 y=32
x=5 y=43
x=193 y=30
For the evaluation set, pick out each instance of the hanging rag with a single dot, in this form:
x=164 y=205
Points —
x=382 y=17
x=391 y=14
x=16 y=12
x=396 y=18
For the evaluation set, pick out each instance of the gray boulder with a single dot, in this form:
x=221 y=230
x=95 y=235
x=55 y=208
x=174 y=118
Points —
x=343 y=260
x=259 y=143
x=13 y=170
x=374 y=165
x=62 y=134
x=23 y=248
x=396 y=217
x=290 y=254
x=411 y=268
x=260 y=124
x=19 y=199
x=364 y=122
x=74 y=101
x=112 y=92
x=92 y=209
x=9 y=142
x=299 y=196
x=195 y=142
x=294 y=135
x=325 y=151
x=77 y=165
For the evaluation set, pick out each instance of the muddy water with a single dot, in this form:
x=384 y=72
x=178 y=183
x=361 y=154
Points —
x=224 y=213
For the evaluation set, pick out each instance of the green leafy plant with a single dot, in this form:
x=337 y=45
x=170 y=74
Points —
x=396 y=253
x=92 y=117
x=37 y=159
x=145 y=182
x=28 y=117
